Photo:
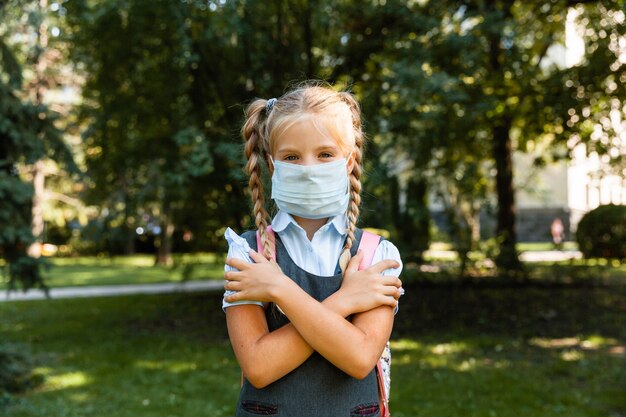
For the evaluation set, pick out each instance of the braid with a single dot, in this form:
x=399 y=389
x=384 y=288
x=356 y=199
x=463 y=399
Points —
x=355 y=179
x=252 y=133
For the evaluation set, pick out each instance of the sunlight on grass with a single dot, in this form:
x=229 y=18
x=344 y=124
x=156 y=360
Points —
x=597 y=341
x=458 y=355
x=134 y=269
x=66 y=380
x=591 y=342
x=572 y=355
x=448 y=348
x=173 y=367
x=169 y=355
x=80 y=397
x=141 y=260
x=544 y=246
x=491 y=376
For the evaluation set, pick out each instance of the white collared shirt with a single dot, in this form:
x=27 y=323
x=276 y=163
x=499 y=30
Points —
x=318 y=256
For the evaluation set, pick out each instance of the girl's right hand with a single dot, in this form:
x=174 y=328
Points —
x=367 y=289
x=258 y=281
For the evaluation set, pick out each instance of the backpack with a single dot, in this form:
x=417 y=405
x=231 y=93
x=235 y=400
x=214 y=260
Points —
x=369 y=242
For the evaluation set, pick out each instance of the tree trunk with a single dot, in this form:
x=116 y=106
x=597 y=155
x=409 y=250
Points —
x=130 y=247
x=505 y=229
x=308 y=38
x=475 y=224
x=39 y=175
x=129 y=225
x=37 y=221
x=411 y=217
x=502 y=150
x=164 y=249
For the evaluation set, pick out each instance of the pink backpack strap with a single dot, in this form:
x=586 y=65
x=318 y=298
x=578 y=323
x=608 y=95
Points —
x=383 y=401
x=272 y=236
x=369 y=243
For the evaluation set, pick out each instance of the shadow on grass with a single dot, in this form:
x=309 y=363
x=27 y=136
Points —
x=515 y=310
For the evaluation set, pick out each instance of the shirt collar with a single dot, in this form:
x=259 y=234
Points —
x=283 y=219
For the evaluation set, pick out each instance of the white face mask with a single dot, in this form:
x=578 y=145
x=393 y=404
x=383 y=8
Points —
x=311 y=191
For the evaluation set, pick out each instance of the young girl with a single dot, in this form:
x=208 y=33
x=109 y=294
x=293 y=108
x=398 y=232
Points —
x=308 y=328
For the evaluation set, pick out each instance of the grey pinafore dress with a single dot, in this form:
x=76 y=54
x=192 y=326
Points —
x=316 y=388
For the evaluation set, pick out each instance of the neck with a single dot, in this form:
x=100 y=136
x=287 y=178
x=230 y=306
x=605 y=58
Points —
x=310 y=226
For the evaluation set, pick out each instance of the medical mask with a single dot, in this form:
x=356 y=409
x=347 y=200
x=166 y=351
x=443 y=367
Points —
x=311 y=191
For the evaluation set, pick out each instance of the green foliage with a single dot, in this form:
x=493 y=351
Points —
x=18 y=144
x=449 y=91
x=457 y=88
x=27 y=135
x=602 y=232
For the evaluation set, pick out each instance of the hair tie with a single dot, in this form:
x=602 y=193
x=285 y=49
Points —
x=269 y=106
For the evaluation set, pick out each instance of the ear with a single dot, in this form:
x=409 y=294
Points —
x=351 y=162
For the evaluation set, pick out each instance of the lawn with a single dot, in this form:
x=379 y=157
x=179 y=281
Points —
x=135 y=269
x=140 y=269
x=458 y=350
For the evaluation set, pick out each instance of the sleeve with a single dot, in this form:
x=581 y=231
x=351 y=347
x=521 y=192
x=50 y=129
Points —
x=387 y=250
x=239 y=248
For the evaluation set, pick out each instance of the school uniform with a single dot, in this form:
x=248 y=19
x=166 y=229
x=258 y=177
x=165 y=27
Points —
x=316 y=388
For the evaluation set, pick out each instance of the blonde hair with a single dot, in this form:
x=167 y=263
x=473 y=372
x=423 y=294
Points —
x=332 y=112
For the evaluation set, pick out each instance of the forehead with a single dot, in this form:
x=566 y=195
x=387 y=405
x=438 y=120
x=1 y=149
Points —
x=304 y=133
x=313 y=132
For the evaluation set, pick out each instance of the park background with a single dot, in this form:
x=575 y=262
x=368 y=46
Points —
x=121 y=163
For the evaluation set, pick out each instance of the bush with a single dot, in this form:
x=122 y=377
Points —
x=602 y=232
x=16 y=373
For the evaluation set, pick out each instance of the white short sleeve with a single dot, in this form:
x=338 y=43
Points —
x=387 y=250
x=239 y=248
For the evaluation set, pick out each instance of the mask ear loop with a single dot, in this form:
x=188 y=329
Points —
x=348 y=173
x=350 y=155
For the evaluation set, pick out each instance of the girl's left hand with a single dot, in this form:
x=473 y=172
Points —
x=259 y=281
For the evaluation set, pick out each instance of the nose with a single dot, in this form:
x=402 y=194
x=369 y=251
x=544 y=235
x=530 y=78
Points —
x=309 y=160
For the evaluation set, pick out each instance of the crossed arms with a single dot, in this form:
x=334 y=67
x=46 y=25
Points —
x=352 y=346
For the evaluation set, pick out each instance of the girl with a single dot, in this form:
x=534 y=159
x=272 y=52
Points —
x=308 y=329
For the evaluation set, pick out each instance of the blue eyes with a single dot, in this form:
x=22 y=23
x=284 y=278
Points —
x=295 y=157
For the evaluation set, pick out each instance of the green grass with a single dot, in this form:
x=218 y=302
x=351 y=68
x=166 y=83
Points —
x=124 y=356
x=492 y=376
x=544 y=246
x=140 y=269
x=521 y=246
x=581 y=271
x=457 y=351
x=136 y=269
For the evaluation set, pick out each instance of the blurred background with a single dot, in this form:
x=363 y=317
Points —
x=495 y=161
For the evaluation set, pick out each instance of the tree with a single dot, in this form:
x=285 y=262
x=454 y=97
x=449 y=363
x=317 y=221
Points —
x=360 y=51
x=476 y=79
x=162 y=103
x=17 y=143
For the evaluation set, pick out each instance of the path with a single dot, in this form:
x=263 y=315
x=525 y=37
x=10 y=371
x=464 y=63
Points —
x=550 y=255
x=111 y=290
